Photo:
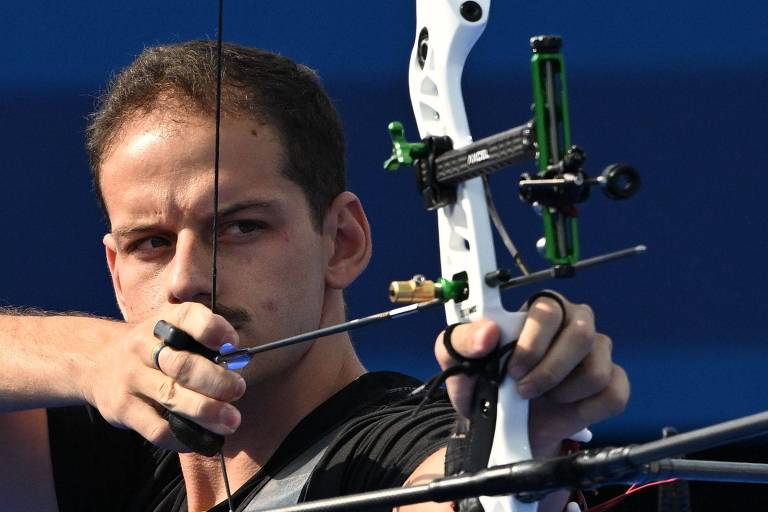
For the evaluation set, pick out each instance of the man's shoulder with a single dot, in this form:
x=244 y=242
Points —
x=387 y=432
x=373 y=390
x=363 y=437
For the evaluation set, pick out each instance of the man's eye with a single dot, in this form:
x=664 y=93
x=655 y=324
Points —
x=156 y=242
x=148 y=244
x=242 y=227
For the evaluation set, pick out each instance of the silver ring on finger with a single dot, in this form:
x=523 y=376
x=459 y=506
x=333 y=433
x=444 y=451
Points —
x=156 y=355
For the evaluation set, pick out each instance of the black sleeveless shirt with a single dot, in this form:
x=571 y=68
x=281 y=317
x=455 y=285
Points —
x=374 y=442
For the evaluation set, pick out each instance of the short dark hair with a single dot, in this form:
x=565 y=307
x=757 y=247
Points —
x=256 y=83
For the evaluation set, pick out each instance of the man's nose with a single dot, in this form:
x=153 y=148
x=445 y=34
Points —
x=189 y=273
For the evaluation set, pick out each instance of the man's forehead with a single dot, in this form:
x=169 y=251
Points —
x=171 y=114
x=166 y=159
x=156 y=123
x=141 y=141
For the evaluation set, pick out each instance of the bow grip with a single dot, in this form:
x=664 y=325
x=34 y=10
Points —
x=482 y=423
x=186 y=431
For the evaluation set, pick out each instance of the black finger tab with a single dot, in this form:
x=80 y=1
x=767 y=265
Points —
x=195 y=437
x=180 y=340
x=189 y=433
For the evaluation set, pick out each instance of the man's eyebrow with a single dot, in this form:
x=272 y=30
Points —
x=131 y=230
x=251 y=204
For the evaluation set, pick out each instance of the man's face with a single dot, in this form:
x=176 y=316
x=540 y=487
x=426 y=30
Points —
x=157 y=182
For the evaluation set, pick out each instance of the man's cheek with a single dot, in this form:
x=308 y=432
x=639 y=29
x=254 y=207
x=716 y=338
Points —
x=269 y=306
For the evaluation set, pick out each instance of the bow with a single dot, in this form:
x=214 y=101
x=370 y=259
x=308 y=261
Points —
x=446 y=31
x=451 y=175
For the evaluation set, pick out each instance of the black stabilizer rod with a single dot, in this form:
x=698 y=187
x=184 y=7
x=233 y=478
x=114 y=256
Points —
x=699 y=439
x=531 y=479
x=706 y=470
x=508 y=479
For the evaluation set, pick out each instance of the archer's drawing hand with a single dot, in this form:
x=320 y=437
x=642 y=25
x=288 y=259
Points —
x=561 y=363
x=131 y=393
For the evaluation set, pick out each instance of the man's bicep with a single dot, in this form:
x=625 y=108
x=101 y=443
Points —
x=26 y=474
x=431 y=468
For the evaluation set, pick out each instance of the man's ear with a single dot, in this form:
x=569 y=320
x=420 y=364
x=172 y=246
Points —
x=110 y=249
x=346 y=228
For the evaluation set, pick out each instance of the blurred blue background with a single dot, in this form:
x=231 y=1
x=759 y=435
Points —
x=676 y=89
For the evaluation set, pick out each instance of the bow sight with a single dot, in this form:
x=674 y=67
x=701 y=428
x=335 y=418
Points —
x=560 y=181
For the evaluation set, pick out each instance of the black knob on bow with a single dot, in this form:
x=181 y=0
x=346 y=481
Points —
x=620 y=181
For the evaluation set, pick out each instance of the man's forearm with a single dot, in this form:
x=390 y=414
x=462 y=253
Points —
x=46 y=358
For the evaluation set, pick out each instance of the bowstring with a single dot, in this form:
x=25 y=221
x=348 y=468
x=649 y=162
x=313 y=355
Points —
x=215 y=237
x=215 y=234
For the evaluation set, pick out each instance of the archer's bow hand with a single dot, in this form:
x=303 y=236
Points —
x=561 y=363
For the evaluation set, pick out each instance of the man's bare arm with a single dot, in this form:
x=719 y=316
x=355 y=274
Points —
x=51 y=360
x=54 y=360
x=433 y=468
x=45 y=357
x=26 y=474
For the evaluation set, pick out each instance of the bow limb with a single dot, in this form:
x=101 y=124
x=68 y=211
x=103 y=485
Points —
x=445 y=33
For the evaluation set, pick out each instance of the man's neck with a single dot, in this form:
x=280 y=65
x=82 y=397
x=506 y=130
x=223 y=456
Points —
x=269 y=413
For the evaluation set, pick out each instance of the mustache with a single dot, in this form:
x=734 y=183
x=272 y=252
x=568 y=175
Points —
x=235 y=316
